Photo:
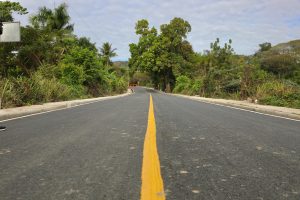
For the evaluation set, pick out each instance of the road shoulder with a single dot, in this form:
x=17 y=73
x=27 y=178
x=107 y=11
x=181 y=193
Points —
x=10 y=113
x=265 y=109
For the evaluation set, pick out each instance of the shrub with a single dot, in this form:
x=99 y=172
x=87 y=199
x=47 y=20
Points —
x=72 y=74
x=232 y=86
x=22 y=91
x=279 y=93
x=182 y=84
x=196 y=87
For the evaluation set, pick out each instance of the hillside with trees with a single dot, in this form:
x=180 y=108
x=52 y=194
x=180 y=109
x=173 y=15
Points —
x=51 y=63
x=165 y=60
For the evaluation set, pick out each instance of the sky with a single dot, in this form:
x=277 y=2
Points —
x=247 y=22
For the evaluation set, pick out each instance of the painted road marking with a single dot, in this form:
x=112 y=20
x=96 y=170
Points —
x=58 y=109
x=236 y=108
x=256 y=112
x=152 y=182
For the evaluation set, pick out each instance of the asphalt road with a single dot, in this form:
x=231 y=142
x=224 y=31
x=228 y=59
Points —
x=95 y=151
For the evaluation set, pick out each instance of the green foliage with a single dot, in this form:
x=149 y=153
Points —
x=222 y=74
x=36 y=89
x=279 y=93
x=169 y=60
x=143 y=78
x=107 y=52
x=53 y=20
x=52 y=64
x=72 y=74
x=183 y=83
x=227 y=75
x=232 y=86
x=7 y=8
x=220 y=70
x=86 y=59
x=251 y=77
x=220 y=57
x=86 y=43
x=283 y=65
x=164 y=56
x=265 y=46
x=196 y=87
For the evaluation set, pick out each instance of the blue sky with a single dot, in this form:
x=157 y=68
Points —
x=247 y=22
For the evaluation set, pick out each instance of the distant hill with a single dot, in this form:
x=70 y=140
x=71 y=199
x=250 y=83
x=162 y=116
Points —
x=121 y=64
x=283 y=60
x=282 y=51
x=288 y=47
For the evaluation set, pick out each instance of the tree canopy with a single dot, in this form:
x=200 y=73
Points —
x=107 y=52
x=7 y=8
x=165 y=55
x=51 y=63
x=165 y=59
x=53 y=20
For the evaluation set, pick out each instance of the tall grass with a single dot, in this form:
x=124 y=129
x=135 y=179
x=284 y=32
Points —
x=22 y=91
x=42 y=88
x=269 y=92
x=279 y=93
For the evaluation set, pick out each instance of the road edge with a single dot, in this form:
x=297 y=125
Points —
x=11 y=113
x=262 y=109
x=275 y=111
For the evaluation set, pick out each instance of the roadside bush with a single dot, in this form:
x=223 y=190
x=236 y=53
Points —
x=72 y=74
x=196 y=87
x=279 y=93
x=22 y=91
x=188 y=86
x=121 y=85
x=232 y=86
x=282 y=65
x=183 y=84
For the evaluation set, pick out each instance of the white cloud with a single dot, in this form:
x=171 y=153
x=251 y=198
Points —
x=247 y=22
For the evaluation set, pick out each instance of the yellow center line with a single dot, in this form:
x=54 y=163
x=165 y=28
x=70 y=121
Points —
x=152 y=182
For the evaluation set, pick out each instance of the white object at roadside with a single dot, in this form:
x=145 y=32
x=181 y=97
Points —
x=11 y=32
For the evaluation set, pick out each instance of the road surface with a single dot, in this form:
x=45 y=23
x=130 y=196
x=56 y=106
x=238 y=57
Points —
x=97 y=151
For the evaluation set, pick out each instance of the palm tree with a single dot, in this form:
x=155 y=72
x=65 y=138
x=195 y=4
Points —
x=61 y=19
x=107 y=53
x=42 y=18
x=54 y=20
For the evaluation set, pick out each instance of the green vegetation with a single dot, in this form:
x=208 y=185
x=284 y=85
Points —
x=53 y=64
x=166 y=60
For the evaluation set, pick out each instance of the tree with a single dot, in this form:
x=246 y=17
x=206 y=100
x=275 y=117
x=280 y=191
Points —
x=220 y=73
x=86 y=43
x=265 y=46
x=107 y=52
x=164 y=56
x=175 y=61
x=7 y=8
x=54 y=20
x=42 y=18
x=220 y=57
